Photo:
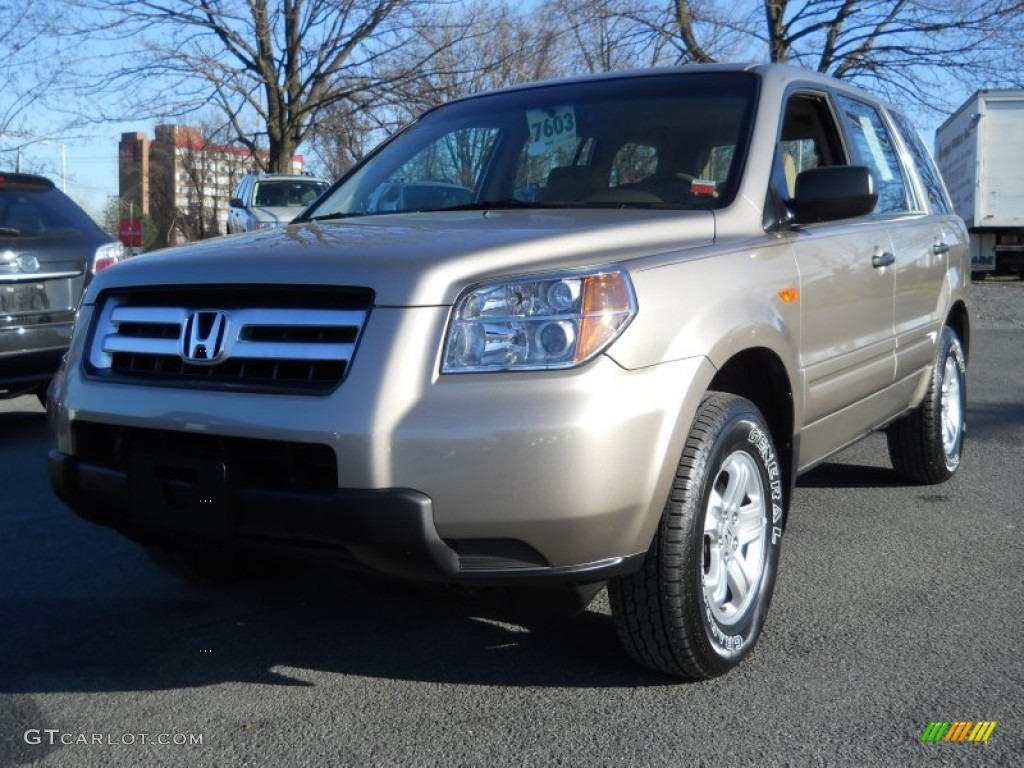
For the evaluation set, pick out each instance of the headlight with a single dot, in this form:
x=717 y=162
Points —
x=538 y=322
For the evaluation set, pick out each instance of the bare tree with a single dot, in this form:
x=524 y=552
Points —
x=272 y=68
x=904 y=49
x=475 y=47
x=343 y=136
x=30 y=64
x=472 y=47
x=602 y=36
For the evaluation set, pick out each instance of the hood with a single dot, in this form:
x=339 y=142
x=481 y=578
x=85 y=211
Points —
x=423 y=259
x=281 y=214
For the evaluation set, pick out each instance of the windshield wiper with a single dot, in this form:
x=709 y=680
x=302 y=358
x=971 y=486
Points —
x=10 y=231
x=506 y=204
x=327 y=216
x=485 y=205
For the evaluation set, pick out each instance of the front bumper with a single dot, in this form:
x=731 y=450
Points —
x=556 y=475
x=387 y=531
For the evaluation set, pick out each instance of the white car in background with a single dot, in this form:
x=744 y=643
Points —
x=271 y=200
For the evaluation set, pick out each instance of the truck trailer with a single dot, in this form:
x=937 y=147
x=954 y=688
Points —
x=980 y=152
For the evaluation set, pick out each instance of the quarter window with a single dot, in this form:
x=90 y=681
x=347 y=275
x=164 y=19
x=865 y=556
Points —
x=929 y=174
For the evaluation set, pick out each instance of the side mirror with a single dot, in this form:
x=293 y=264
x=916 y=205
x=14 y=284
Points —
x=236 y=202
x=834 y=192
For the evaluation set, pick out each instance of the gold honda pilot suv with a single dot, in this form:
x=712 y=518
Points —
x=662 y=296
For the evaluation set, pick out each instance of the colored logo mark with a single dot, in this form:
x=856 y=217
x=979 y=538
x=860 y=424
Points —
x=958 y=730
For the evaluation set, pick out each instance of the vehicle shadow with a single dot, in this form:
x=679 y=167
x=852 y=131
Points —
x=990 y=421
x=842 y=475
x=19 y=425
x=274 y=629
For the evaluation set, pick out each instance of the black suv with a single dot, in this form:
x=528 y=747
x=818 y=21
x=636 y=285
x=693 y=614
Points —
x=49 y=251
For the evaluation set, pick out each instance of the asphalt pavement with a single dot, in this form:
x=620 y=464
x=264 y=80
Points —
x=896 y=606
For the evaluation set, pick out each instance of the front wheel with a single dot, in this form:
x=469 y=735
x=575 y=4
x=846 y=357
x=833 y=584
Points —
x=697 y=606
x=926 y=445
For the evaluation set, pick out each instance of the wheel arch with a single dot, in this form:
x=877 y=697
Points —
x=760 y=376
x=959 y=319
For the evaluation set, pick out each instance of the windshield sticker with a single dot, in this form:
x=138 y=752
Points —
x=551 y=129
x=875 y=146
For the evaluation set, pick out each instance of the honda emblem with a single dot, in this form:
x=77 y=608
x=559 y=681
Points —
x=202 y=337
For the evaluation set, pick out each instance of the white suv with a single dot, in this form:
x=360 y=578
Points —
x=271 y=200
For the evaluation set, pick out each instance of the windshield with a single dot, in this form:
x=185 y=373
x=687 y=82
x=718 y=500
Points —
x=673 y=140
x=287 y=193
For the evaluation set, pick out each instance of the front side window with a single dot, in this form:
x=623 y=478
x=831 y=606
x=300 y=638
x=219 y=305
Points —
x=808 y=139
x=873 y=147
x=633 y=142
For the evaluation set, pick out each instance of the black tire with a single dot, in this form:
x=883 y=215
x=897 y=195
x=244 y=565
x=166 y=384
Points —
x=663 y=613
x=977 y=277
x=926 y=445
x=197 y=566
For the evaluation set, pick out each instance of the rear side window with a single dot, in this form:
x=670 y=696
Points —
x=873 y=147
x=929 y=173
x=30 y=211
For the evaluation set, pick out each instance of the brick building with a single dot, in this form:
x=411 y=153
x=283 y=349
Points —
x=181 y=181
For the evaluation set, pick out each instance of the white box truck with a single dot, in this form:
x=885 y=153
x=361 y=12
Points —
x=980 y=151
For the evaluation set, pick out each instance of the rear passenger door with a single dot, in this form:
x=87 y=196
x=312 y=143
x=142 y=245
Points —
x=846 y=340
x=919 y=309
x=919 y=242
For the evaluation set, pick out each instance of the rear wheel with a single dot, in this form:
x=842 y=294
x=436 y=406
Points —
x=926 y=445
x=697 y=606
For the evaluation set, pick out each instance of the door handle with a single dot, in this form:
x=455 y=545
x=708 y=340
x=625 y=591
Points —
x=940 y=248
x=883 y=259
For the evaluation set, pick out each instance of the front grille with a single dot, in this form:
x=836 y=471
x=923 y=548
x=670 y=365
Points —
x=231 y=338
x=250 y=462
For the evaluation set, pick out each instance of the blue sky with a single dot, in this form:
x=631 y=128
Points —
x=91 y=161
